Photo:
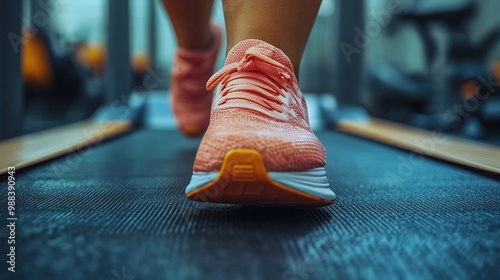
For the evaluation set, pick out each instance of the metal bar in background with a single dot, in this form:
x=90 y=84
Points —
x=33 y=8
x=11 y=87
x=152 y=31
x=119 y=71
x=38 y=8
x=349 y=70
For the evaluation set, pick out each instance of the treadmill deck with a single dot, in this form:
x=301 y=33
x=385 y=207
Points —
x=118 y=210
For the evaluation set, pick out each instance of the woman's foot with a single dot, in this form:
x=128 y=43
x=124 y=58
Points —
x=189 y=99
x=259 y=147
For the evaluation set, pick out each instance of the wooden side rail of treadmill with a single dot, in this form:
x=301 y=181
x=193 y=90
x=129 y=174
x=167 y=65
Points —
x=37 y=147
x=430 y=143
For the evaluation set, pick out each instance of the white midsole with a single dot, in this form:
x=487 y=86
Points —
x=312 y=181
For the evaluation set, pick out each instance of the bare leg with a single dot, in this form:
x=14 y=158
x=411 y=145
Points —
x=286 y=24
x=190 y=19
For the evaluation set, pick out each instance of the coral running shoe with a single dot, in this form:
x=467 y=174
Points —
x=189 y=99
x=259 y=148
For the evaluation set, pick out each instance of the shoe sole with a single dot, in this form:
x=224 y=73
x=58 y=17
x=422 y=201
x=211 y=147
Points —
x=243 y=179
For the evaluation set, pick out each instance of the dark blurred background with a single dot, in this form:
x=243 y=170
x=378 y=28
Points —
x=427 y=63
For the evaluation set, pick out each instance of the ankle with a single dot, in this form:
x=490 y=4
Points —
x=294 y=55
x=205 y=43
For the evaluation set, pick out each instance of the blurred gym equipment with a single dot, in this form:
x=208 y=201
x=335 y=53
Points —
x=58 y=89
x=461 y=96
x=103 y=197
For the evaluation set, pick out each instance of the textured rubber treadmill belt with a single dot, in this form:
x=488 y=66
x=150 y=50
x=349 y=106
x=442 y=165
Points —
x=118 y=211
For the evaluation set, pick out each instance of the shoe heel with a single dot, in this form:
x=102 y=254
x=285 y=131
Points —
x=243 y=179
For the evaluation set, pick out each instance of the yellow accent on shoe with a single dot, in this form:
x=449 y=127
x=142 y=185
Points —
x=243 y=179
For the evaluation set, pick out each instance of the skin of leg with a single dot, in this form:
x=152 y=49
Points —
x=286 y=24
x=190 y=20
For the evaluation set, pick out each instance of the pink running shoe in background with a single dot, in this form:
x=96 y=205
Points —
x=189 y=99
x=259 y=147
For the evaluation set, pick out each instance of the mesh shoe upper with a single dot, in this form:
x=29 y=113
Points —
x=258 y=105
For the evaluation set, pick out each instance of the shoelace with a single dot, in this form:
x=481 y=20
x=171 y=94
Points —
x=255 y=73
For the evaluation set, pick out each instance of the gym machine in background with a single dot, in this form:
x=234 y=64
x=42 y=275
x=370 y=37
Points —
x=67 y=80
x=48 y=80
x=460 y=93
x=11 y=88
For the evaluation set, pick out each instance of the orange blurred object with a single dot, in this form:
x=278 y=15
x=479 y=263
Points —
x=468 y=89
x=495 y=68
x=140 y=62
x=36 y=65
x=93 y=56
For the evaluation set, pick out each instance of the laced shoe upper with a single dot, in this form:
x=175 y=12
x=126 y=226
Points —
x=258 y=105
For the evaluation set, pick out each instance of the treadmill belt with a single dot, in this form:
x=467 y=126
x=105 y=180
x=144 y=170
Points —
x=118 y=211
